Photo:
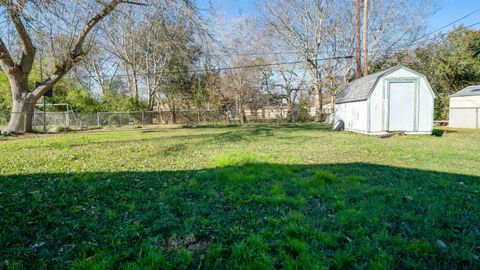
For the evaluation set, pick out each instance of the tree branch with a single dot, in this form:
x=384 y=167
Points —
x=77 y=54
x=91 y=24
x=28 y=50
x=6 y=60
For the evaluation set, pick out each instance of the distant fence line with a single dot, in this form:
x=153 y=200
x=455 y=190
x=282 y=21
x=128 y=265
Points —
x=161 y=117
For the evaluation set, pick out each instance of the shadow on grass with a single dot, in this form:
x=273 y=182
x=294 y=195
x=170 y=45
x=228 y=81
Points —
x=253 y=215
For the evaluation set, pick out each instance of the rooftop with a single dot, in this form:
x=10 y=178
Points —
x=473 y=90
x=359 y=89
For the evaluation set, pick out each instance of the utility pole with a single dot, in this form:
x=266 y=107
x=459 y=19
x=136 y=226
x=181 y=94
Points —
x=365 y=37
x=357 y=40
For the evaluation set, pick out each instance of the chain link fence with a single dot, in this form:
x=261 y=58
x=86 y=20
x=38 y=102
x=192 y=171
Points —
x=21 y=120
x=164 y=117
x=4 y=117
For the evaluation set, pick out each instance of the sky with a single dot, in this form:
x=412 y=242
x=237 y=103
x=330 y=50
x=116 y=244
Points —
x=445 y=11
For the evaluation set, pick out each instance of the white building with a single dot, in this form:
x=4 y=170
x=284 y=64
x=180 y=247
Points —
x=396 y=99
x=464 y=109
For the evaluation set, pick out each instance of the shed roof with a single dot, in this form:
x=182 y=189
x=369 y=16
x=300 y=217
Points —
x=473 y=90
x=359 y=89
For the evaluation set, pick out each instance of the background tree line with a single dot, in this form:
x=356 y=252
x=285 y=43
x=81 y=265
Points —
x=450 y=62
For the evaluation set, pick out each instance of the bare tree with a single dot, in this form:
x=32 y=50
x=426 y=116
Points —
x=155 y=60
x=40 y=15
x=300 y=24
x=100 y=68
x=122 y=41
x=311 y=27
x=149 y=43
x=288 y=80
x=239 y=44
x=163 y=42
x=339 y=41
x=395 y=25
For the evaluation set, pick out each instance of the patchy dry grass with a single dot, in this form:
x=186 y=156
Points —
x=295 y=197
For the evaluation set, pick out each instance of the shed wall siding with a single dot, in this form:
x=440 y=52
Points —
x=401 y=73
x=354 y=114
x=425 y=108
x=376 y=107
x=463 y=118
x=465 y=102
x=464 y=112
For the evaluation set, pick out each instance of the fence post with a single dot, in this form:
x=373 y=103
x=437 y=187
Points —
x=143 y=116
x=67 y=119
x=98 y=119
x=268 y=114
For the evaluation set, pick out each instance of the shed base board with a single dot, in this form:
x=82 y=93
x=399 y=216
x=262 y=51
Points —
x=463 y=127
x=378 y=133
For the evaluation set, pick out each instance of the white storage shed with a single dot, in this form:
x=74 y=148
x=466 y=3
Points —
x=464 y=111
x=396 y=99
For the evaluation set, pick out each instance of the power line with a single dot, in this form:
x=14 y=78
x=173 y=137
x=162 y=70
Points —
x=227 y=68
x=446 y=33
x=418 y=40
x=283 y=63
x=415 y=41
x=256 y=53
x=447 y=25
x=292 y=52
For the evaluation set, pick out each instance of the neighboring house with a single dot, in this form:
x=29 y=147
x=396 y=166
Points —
x=464 y=111
x=327 y=107
x=396 y=99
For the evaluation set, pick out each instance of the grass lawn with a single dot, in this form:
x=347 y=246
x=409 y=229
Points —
x=239 y=198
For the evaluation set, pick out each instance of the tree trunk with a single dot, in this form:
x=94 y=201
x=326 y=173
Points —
x=242 y=115
x=173 y=113
x=317 y=87
x=290 y=111
x=135 y=83
x=318 y=103
x=23 y=102
x=129 y=79
x=21 y=116
x=333 y=102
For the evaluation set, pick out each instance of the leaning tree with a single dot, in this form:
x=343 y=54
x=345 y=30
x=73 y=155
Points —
x=64 y=28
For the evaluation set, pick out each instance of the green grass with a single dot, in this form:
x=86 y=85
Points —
x=257 y=197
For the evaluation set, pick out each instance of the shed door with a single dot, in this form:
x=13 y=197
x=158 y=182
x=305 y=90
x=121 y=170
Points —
x=402 y=106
